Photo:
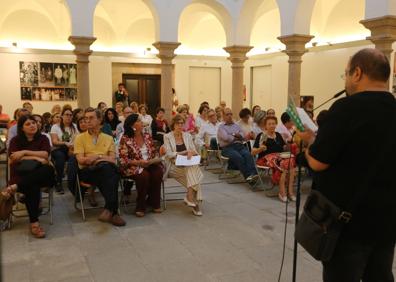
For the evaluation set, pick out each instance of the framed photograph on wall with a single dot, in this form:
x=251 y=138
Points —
x=26 y=93
x=48 y=81
x=46 y=74
x=28 y=74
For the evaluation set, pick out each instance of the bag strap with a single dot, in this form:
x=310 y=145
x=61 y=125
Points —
x=346 y=215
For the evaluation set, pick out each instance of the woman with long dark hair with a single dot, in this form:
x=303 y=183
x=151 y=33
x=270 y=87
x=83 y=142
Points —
x=136 y=149
x=62 y=136
x=29 y=168
x=111 y=120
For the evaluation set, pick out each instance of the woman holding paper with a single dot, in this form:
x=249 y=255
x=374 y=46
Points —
x=181 y=143
x=138 y=160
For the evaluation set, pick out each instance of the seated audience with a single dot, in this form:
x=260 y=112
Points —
x=56 y=109
x=29 y=168
x=77 y=114
x=145 y=118
x=202 y=118
x=286 y=128
x=13 y=122
x=95 y=153
x=159 y=127
x=246 y=124
x=120 y=127
x=13 y=130
x=271 y=112
x=258 y=117
x=28 y=106
x=102 y=106
x=4 y=118
x=231 y=139
x=268 y=146
x=189 y=125
x=55 y=118
x=223 y=105
x=219 y=113
x=135 y=107
x=82 y=125
x=178 y=142
x=119 y=107
x=111 y=121
x=47 y=122
x=39 y=122
x=207 y=136
x=255 y=110
x=62 y=136
x=136 y=149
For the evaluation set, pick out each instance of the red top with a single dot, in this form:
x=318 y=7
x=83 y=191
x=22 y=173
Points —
x=39 y=144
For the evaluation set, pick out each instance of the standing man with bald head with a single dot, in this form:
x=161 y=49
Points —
x=360 y=131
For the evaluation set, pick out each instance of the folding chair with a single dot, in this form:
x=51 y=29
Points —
x=81 y=198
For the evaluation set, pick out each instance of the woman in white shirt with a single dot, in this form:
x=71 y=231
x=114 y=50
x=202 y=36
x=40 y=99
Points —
x=145 y=118
x=202 y=118
x=62 y=137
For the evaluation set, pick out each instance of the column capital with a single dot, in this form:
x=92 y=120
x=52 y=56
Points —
x=82 y=47
x=383 y=32
x=166 y=51
x=237 y=55
x=295 y=45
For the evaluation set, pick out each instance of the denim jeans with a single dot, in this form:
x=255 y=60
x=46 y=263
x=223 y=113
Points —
x=240 y=158
x=354 y=262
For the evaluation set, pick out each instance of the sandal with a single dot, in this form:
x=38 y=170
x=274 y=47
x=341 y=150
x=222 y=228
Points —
x=37 y=231
x=9 y=191
x=159 y=210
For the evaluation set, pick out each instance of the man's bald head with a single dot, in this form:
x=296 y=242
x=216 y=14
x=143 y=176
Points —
x=372 y=63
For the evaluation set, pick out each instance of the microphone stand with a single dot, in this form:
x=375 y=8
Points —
x=298 y=202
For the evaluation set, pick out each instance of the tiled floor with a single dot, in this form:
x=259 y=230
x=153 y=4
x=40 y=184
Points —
x=239 y=238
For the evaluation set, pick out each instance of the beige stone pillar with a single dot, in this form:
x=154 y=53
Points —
x=82 y=52
x=295 y=49
x=383 y=33
x=166 y=54
x=237 y=58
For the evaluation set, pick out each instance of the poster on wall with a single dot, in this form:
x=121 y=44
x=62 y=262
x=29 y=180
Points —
x=43 y=81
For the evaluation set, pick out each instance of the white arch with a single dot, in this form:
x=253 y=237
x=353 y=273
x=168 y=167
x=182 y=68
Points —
x=36 y=7
x=248 y=16
x=295 y=16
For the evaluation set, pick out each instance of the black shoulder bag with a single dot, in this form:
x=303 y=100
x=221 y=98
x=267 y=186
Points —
x=322 y=221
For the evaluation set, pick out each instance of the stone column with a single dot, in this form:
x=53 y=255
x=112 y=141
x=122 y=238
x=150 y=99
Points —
x=82 y=51
x=295 y=49
x=166 y=54
x=383 y=33
x=237 y=58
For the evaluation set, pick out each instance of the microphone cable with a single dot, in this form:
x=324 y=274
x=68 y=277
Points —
x=286 y=215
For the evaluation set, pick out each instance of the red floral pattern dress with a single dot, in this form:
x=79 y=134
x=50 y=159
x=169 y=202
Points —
x=129 y=150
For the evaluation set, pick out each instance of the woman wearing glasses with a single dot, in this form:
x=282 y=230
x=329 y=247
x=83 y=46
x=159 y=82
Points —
x=62 y=136
x=176 y=143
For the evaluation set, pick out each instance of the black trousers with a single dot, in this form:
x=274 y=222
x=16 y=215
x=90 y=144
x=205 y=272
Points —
x=106 y=177
x=355 y=262
x=30 y=185
x=60 y=156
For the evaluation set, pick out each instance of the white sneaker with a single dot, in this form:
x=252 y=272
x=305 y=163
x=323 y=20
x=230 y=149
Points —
x=292 y=198
x=283 y=199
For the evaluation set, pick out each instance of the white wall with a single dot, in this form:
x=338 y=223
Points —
x=182 y=84
x=321 y=71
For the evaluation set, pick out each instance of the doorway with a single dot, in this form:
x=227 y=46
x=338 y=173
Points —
x=144 y=89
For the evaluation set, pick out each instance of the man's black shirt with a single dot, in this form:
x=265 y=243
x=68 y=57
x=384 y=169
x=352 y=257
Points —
x=352 y=137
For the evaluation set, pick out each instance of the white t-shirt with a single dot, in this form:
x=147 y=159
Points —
x=67 y=136
x=144 y=152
